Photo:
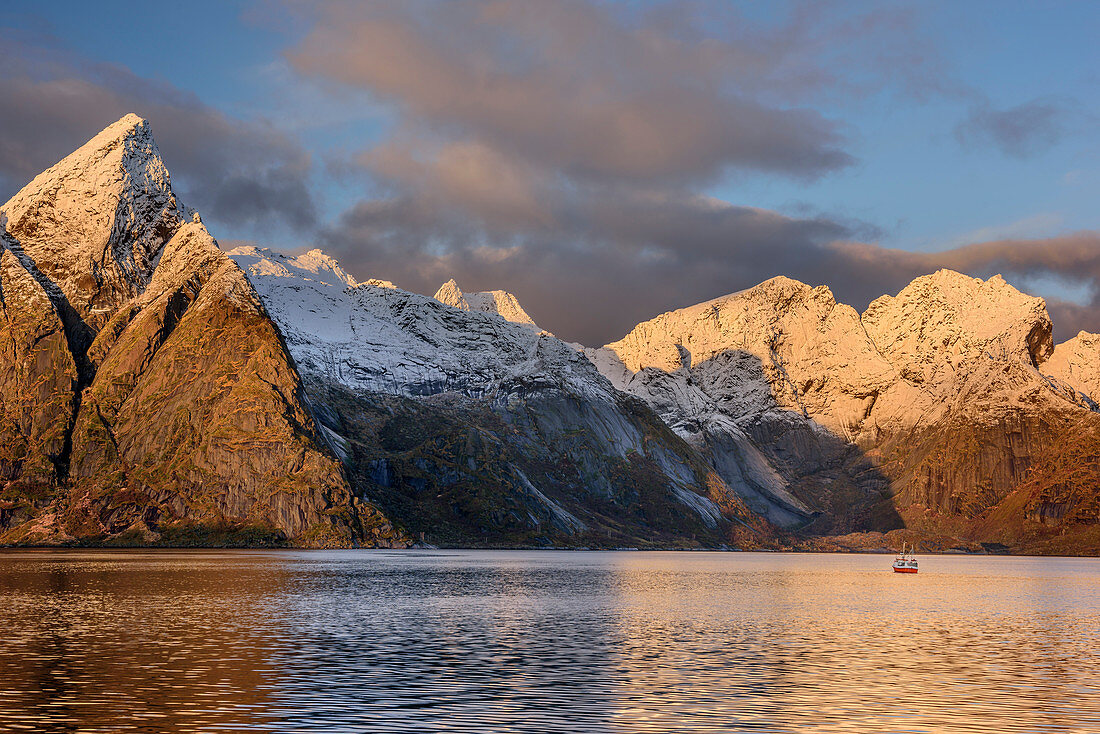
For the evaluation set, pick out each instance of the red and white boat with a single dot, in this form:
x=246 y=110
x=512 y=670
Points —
x=905 y=562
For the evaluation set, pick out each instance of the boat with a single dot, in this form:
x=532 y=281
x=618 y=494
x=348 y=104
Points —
x=905 y=562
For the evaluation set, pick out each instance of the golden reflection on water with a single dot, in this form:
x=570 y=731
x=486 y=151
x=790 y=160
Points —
x=843 y=647
x=546 y=642
x=99 y=641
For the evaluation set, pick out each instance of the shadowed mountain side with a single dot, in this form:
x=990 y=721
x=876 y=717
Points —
x=1055 y=509
x=1025 y=480
x=479 y=431
x=531 y=466
x=783 y=464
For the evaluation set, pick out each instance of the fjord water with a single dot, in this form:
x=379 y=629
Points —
x=544 y=641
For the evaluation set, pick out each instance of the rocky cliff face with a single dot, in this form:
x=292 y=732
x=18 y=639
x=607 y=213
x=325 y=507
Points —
x=1076 y=364
x=927 y=410
x=146 y=396
x=38 y=380
x=475 y=429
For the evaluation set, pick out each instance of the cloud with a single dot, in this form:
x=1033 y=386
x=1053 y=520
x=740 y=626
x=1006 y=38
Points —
x=1020 y=131
x=606 y=260
x=606 y=264
x=1057 y=268
x=243 y=173
x=562 y=151
x=593 y=92
x=1031 y=226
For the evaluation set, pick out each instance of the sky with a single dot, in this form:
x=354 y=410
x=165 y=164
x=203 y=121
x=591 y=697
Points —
x=604 y=161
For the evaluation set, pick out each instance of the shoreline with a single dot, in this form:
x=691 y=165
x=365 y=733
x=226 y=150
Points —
x=524 y=549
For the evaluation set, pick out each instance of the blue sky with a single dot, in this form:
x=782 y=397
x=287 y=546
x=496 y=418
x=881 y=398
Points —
x=939 y=148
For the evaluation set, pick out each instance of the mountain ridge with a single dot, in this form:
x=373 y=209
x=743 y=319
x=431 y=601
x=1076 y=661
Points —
x=157 y=390
x=842 y=391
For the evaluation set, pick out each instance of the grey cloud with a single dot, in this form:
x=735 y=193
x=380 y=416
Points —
x=1073 y=258
x=240 y=173
x=1019 y=131
x=608 y=260
x=559 y=150
x=594 y=93
x=608 y=264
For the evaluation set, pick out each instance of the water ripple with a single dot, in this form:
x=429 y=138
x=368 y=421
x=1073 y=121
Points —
x=100 y=641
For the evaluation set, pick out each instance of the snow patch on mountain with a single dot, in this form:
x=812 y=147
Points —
x=375 y=337
x=501 y=303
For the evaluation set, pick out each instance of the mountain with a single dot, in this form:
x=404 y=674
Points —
x=501 y=303
x=934 y=410
x=157 y=390
x=475 y=429
x=770 y=384
x=145 y=395
x=1076 y=363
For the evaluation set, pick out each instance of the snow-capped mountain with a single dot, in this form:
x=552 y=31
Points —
x=501 y=303
x=375 y=337
x=106 y=210
x=477 y=362
x=154 y=389
x=932 y=401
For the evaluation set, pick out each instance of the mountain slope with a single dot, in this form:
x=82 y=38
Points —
x=170 y=409
x=928 y=410
x=476 y=430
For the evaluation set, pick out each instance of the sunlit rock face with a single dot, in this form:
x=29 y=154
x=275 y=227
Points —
x=1076 y=363
x=146 y=396
x=91 y=226
x=928 y=408
x=501 y=303
x=459 y=416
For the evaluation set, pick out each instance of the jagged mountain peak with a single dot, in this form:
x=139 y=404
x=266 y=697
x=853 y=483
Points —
x=91 y=226
x=314 y=265
x=123 y=154
x=450 y=294
x=954 y=314
x=754 y=320
x=1076 y=362
x=778 y=283
x=322 y=263
x=501 y=303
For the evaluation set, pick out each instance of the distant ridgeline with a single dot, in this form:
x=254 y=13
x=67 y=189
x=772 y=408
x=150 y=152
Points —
x=156 y=390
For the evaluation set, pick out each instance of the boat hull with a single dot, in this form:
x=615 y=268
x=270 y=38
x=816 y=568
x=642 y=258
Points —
x=904 y=570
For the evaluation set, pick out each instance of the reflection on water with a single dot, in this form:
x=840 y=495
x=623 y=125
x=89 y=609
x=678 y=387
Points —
x=99 y=641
